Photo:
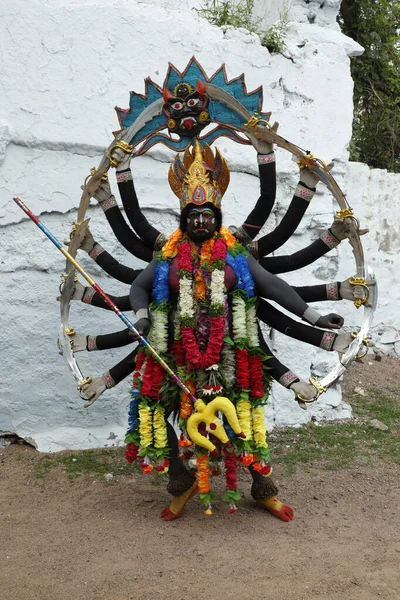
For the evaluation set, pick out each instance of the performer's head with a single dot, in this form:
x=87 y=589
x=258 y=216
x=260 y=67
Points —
x=200 y=222
x=199 y=181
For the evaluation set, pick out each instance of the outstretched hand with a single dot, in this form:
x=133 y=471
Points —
x=143 y=327
x=348 y=291
x=331 y=321
x=262 y=146
x=342 y=342
x=79 y=291
x=123 y=159
x=103 y=192
x=338 y=228
x=306 y=391
x=79 y=342
x=309 y=178
x=93 y=390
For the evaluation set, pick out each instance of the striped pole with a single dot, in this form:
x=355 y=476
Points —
x=108 y=300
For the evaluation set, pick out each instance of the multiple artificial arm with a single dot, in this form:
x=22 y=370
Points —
x=268 y=285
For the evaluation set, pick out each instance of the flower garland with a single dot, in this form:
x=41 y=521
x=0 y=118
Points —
x=214 y=256
x=203 y=477
x=231 y=495
x=206 y=359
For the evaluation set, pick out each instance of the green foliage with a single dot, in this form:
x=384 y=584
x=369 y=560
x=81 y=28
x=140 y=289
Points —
x=230 y=13
x=375 y=25
x=274 y=38
x=239 y=13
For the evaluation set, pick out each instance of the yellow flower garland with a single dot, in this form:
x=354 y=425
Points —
x=259 y=429
x=160 y=428
x=243 y=409
x=146 y=426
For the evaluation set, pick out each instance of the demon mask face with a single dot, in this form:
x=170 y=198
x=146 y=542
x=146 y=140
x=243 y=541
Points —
x=186 y=109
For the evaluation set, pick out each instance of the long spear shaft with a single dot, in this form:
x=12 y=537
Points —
x=108 y=300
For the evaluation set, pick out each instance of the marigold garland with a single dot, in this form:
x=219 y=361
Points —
x=243 y=409
x=259 y=429
x=160 y=428
x=186 y=406
x=146 y=426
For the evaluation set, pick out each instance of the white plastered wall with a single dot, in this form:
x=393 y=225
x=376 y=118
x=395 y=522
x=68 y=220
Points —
x=64 y=66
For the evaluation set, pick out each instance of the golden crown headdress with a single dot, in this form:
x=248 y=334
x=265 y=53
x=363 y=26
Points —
x=200 y=177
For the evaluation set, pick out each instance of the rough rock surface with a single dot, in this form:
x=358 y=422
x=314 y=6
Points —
x=64 y=66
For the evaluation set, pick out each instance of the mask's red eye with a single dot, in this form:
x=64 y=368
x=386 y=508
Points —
x=177 y=105
x=192 y=101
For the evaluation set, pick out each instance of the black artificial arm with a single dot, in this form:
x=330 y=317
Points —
x=149 y=234
x=260 y=213
x=112 y=266
x=294 y=329
x=294 y=214
x=92 y=297
x=302 y=258
x=123 y=232
x=124 y=368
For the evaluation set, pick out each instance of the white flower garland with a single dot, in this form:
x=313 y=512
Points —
x=186 y=302
x=217 y=287
x=239 y=317
x=158 y=336
x=252 y=329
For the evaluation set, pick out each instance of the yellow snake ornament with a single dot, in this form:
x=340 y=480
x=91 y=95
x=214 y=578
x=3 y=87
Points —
x=206 y=414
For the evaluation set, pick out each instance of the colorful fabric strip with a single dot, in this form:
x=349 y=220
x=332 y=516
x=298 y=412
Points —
x=332 y=291
x=107 y=204
x=327 y=340
x=88 y=295
x=123 y=176
x=108 y=380
x=329 y=239
x=91 y=343
x=303 y=192
x=265 y=159
x=288 y=378
x=96 y=251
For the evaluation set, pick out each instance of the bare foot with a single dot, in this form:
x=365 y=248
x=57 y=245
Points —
x=176 y=508
x=276 y=508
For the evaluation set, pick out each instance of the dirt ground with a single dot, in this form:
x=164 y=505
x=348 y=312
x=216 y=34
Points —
x=75 y=539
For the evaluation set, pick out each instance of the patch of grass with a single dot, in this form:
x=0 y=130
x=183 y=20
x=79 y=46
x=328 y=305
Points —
x=336 y=445
x=330 y=445
x=97 y=463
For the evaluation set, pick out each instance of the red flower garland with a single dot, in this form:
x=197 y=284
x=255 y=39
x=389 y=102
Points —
x=214 y=346
x=219 y=250
x=256 y=376
x=179 y=353
x=148 y=377
x=230 y=464
x=194 y=356
x=138 y=366
x=131 y=452
x=185 y=256
x=157 y=377
x=242 y=368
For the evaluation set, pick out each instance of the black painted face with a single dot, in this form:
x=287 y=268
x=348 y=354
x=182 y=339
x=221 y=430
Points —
x=201 y=224
x=186 y=111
